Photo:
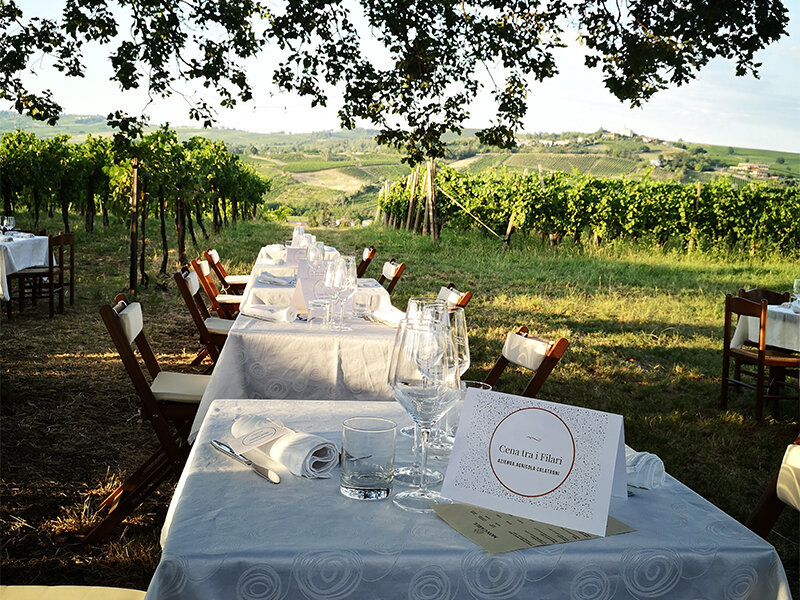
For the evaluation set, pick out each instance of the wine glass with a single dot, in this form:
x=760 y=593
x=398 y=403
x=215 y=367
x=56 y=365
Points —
x=796 y=289
x=441 y=442
x=10 y=222
x=315 y=254
x=423 y=375
x=341 y=281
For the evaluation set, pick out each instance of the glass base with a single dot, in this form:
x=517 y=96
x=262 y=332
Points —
x=365 y=494
x=419 y=501
x=410 y=476
x=407 y=431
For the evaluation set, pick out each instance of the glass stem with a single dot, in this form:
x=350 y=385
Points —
x=416 y=445
x=423 y=458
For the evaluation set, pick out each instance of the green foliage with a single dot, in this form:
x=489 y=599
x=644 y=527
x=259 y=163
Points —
x=757 y=217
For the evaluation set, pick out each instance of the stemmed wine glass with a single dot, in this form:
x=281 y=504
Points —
x=440 y=442
x=315 y=254
x=10 y=222
x=796 y=289
x=423 y=375
x=341 y=282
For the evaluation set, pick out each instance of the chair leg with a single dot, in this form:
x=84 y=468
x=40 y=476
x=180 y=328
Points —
x=199 y=358
x=723 y=397
x=760 y=393
x=51 y=293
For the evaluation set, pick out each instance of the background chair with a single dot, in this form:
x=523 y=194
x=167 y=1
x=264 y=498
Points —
x=213 y=330
x=534 y=353
x=453 y=297
x=67 y=592
x=224 y=305
x=783 y=489
x=230 y=283
x=761 y=357
x=759 y=294
x=169 y=402
x=48 y=280
x=392 y=271
x=366 y=257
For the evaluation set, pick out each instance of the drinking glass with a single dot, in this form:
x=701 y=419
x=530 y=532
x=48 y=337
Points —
x=362 y=305
x=315 y=254
x=297 y=233
x=367 y=457
x=453 y=416
x=318 y=313
x=423 y=375
x=341 y=282
x=796 y=289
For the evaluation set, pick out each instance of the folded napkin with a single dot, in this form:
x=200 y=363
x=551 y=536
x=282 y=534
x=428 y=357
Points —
x=270 y=279
x=644 y=470
x=25 y=235
x=6 y=238
x=304 y=454
x=389 y=315
x=269 y=312
x=273 y=251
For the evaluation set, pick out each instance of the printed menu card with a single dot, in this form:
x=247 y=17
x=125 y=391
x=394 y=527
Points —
x=538 y=460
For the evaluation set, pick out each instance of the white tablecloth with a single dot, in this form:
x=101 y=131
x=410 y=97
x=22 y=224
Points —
x=20 y=254
x=289 y=360
x=783 y=329
x=232 y=535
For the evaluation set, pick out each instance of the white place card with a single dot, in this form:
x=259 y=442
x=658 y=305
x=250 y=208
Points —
x=549 y=462
x=307 y=288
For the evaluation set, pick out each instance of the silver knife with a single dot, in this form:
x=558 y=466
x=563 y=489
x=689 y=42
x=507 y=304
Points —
x=266 y=473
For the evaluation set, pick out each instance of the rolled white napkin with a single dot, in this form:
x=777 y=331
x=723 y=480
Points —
x=644 y=470
x=269 y=312
x=389 y=315
x=304 y=454
x=270 y=279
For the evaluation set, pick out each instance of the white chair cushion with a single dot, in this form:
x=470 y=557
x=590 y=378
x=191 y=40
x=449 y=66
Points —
x=450 y=296
x=237 y=279
x=131 y=320
x=204 y=268
x=365 y=254
x=192 y=282
x=169 y=386
x=525 y=352
x=789 y=477
x=229 y=299
x=219 y=326
x=214 y=255
x=390 y=270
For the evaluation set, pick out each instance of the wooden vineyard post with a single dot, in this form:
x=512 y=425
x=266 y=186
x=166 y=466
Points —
x=419 y=219
x=385 y=216
x=509 y=231
x=434 y=220
x=426 y=211
x=134 y=224
x=412 y=197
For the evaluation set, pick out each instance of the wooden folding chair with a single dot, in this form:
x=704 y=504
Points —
x=366 y=257
x=783 y=489
x=226 y=306
x=453 y=297
x=231 y=284
x=48 y=280
x=392 y=270
x=213 y=330
x=169 y=402
x=534 y=353
x=760 y=357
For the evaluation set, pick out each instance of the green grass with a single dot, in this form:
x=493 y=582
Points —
x=644 y=328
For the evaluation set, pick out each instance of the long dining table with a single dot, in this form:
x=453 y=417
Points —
x=231 y=534
x=293 y=360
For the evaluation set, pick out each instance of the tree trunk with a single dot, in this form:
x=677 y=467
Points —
x=215 y=220
x=162 y=209
x=224 y=211
x=134 y=224
x=190 y=225
x=5 y=191
x=180 y=227
x=62 y=198
x=199 y=215
x=104 y=208
x=234 y=208
x=90 y=206
x=37 y=201
x=145 y=280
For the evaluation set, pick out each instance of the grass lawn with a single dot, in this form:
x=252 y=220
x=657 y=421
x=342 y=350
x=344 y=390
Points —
x=644 y=328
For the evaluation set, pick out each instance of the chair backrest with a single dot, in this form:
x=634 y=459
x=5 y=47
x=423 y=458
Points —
x=534 y=353
x=212 y=256
x=203 y=271
x=759 y=294
x=392 y=271
x=783 y=489
x=64 y=243
x=189 y=286
x=742 y=307
x=453 y=297
x=124 y=323
x=366 y=257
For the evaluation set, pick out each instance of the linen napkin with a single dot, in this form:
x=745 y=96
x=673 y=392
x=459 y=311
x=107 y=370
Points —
x=644 y=470
x=269 y=312
x=6 y=238
x=304 y=454
x=25 y=235
x=270 y=279
x=389 y=315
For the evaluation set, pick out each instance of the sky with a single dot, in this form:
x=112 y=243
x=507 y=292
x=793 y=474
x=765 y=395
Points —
x=716 y=108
